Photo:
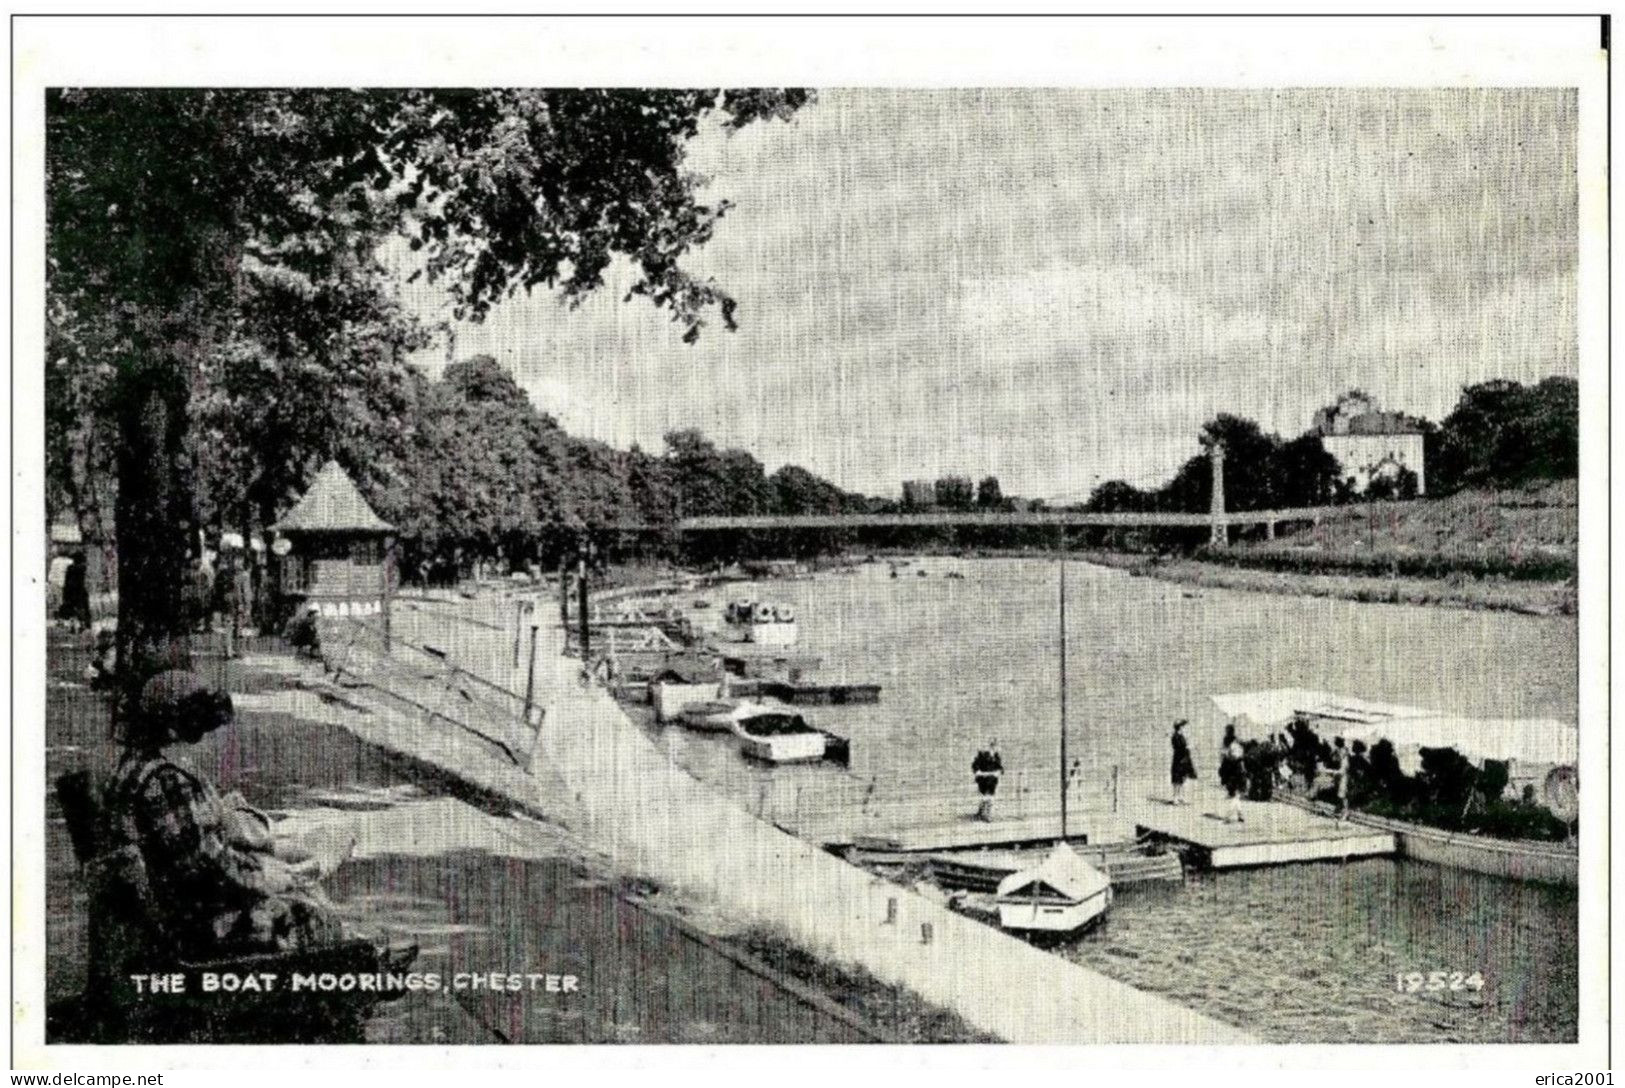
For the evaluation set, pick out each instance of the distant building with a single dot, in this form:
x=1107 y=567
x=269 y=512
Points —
x=1370 y=444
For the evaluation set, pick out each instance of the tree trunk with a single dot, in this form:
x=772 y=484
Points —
x=153 y=520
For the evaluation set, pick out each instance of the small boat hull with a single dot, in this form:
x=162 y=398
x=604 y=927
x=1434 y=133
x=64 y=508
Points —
x=1061 y=895
x=779 y=737
x=1053 y=916
x=710 y=717
x=776 y=633
x=1478 y=854
x=672 y=701
x=791 y=748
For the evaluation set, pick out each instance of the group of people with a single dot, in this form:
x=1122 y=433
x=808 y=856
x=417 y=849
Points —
x=219 y=592
x=1234 y=774
x=1240 y=766
x=222 y=597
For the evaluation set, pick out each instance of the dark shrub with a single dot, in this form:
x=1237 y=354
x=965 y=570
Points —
x=1492 y=780
x=1388 y=780
x=1502 y=820
x=1447 y=777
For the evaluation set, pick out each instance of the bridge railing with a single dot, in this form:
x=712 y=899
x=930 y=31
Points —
x=1030 y=518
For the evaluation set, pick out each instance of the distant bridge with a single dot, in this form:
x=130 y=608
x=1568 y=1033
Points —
x=1217 y=520
x=1269 y=519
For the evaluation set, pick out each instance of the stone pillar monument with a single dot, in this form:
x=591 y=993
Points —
x=1220 y=537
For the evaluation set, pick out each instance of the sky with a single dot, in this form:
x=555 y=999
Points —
x=1058 y=287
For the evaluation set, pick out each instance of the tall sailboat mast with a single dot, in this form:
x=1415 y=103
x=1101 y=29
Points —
x=1063 y=694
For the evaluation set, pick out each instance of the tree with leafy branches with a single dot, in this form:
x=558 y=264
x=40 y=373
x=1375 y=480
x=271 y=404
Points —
x=171 y=212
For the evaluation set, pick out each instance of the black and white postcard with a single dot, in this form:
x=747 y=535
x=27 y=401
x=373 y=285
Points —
x=690 y=532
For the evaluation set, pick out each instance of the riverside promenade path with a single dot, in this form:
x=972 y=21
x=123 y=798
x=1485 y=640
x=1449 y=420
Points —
x=477 y=882
x=652 y=819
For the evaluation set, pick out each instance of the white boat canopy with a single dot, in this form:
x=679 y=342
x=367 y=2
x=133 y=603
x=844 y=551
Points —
x=731 y=710
x=752 y=709
x=1530 y=740
x=1062 y=875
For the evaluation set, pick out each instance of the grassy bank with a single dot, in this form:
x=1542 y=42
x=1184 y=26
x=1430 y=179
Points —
x=1381 y=562
x=1313 y=577
x=1512 y=550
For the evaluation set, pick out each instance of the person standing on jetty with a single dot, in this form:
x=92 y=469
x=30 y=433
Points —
x=1183 y=769
x=1232 y=774
x=986 y=769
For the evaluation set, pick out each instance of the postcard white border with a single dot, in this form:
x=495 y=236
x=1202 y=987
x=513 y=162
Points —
x=820 y=52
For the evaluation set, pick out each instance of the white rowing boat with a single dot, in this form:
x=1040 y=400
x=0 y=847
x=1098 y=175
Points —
x=1060 y=895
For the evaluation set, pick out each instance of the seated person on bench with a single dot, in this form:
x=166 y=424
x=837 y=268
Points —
x=215 y=885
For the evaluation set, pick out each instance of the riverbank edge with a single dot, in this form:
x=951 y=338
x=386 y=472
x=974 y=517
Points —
x=1529 y=598
x=1239 y=571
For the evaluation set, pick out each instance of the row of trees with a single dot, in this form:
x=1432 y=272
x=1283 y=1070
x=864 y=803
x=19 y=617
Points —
x=219 y=322
x=953 y=493
x=482 y=470
x=1261 y=471
x=469 y=463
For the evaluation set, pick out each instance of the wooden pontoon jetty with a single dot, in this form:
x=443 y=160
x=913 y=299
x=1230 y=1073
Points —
x=1273 y=834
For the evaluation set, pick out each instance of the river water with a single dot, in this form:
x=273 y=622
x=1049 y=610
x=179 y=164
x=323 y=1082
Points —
x=1299 y=953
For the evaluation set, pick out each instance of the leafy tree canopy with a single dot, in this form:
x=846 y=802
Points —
x=196 y=237
x=1505 y=434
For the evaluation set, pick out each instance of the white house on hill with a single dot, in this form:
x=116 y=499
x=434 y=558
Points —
x=1370 y=444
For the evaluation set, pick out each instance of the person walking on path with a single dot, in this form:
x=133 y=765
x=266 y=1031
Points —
x=76 y=594
x=1182 y=769
x=201 y=595
x=986 y=769
x=1232 y=774
x=1339 y=766
x=233 y=598
x=242 y=603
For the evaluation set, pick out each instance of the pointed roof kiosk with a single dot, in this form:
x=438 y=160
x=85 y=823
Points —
x=339 y=552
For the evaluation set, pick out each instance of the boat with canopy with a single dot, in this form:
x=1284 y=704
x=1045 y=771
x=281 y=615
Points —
x=1062 y=894
x=1541 y=754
